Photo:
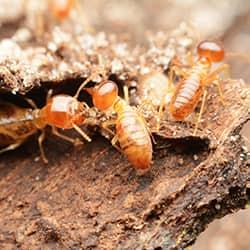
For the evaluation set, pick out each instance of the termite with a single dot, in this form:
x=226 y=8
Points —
x=43 y=15
x=155 y=91
x=195 y=80
x=132 y=132
x=60 y=111
x=61 y=8
x=155 y=88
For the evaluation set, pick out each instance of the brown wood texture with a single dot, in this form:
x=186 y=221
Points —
x=90 y=197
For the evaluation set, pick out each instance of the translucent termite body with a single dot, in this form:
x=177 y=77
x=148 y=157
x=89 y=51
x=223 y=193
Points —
x=17 y=124
x=195 y=80
x=155 y=91
x=154 y=88
x=131 y=130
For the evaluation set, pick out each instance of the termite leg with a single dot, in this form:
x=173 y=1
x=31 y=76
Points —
x=150 y=133
x=65 y=137
x=140 y=108
x=178 y=68
x=113 y=142
x=140 y=111
x=171 y=76
x=214 y=76
x=11 y=147
x=144 y=103
x=177 y=71
x=144 y=120
x=105 y=125
x=31 y=102
x=220 y=93
x=82 y=133
x=40 y=143
x=160 y=114
x=201 y=111
x=126 y=93
x=176 y=62
x=153 y=110
x=170 y=89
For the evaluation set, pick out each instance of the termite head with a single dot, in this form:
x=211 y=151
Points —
x=104 y=94
x=61 y=8
x=213 y=51
x=63 y=111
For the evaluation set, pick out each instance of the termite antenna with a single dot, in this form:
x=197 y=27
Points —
x=31 y=102
x=49 y=95
x=82 y=86
x=99 y=71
